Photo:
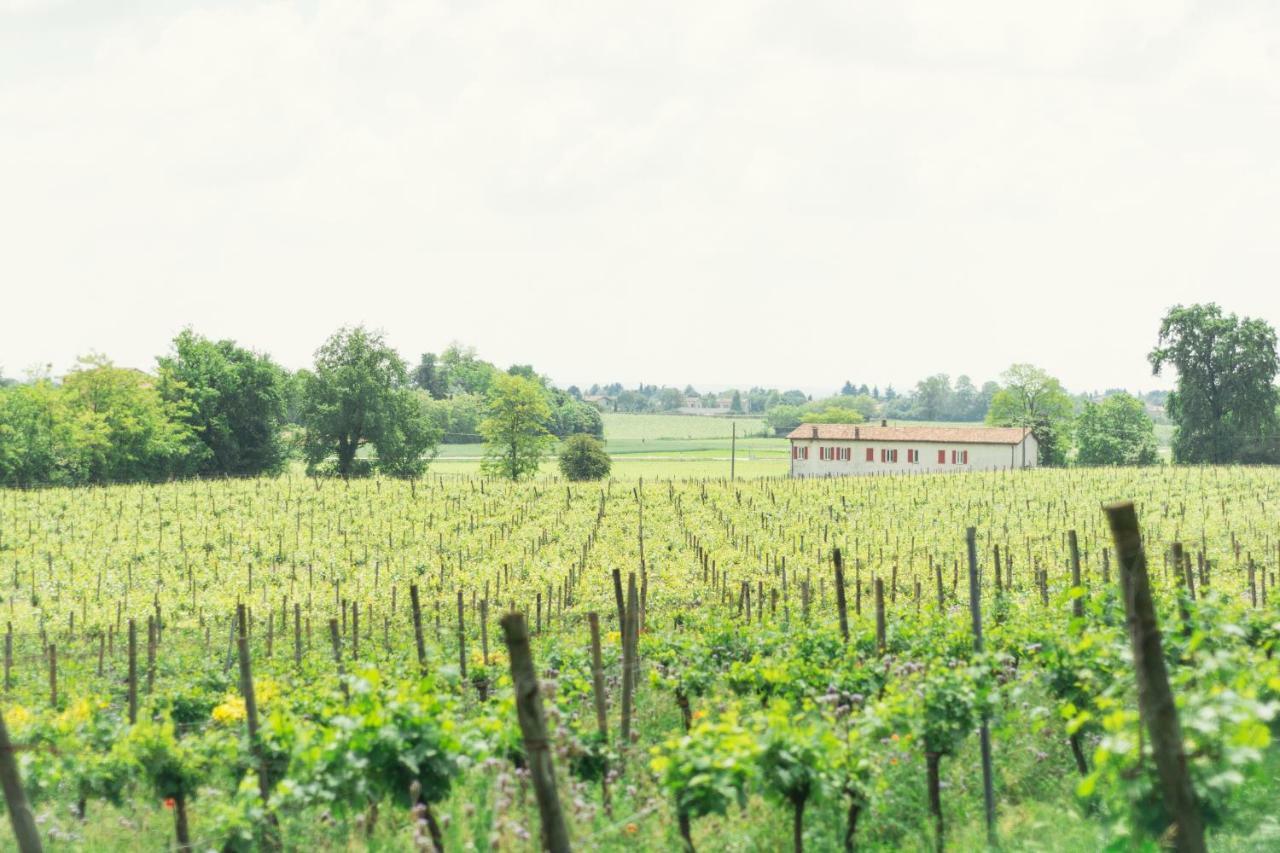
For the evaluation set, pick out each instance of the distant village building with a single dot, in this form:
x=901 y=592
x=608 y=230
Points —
x=830 y=450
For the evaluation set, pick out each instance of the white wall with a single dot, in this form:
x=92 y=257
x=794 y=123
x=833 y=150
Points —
x=982 y=457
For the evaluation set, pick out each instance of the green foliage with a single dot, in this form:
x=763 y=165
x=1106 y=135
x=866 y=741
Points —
x=516 y=438
x=357 y=395
x=1225 y=404
x=124 y=429
x=1116 y=431
x=584 y=458
x=797 y=754
x=172 y=766
x=234 y=401
x=1032 y=399
x=389 y=736
x=708 y=769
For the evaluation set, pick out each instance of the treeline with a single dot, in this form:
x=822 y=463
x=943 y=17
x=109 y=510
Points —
x=215 y=408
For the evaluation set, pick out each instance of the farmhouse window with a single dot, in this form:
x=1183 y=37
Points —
x=913 y=456
x=871 y=454
x=889 y=455
x=955 y=457
x=964 y=457
x=942 y=457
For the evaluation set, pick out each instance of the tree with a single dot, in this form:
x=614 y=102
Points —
x=464 y=372
x=234 y=401
x=430 y=377
x=515 y=432
x=1032 y=399
x=848 y=389
x=583 y=458
x=357 y=395
x=735 y=403
x=39 y=443
x=124 y=430
x=1225 y=403
x=670 y=399
x=934 y=398
x=1116 y=431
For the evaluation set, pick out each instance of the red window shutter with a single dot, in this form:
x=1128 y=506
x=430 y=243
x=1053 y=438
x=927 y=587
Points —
x=942 y=457
x=871 y=454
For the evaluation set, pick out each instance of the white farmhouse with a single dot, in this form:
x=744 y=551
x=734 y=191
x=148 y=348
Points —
x=830 y=450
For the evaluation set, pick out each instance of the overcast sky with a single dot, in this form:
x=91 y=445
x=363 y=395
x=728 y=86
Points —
x=786 y=194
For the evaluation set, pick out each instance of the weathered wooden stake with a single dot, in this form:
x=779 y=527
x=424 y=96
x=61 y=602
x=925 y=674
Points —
x=555 y=835
x=1155 y=698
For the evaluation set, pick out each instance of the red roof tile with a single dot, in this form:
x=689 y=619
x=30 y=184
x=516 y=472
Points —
x=924 y=434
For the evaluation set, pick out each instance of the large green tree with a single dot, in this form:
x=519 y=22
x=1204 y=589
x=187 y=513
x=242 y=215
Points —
x=124 y=429
x=39 y=442
x=235 y=401
x=1225 y=403
x=1032 y=399
x=356 y=395
x=1116 y=431
x=515 y=431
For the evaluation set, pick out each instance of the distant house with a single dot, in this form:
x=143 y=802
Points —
x=830 y=450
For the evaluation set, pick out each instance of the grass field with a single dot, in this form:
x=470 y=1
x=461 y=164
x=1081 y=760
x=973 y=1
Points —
x=680 y=446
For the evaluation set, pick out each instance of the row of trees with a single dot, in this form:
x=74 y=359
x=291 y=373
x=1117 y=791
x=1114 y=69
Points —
x=213 y=408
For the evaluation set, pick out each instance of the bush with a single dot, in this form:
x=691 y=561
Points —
x=583 y=458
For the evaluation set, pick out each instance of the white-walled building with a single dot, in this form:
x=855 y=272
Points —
x=830 y=450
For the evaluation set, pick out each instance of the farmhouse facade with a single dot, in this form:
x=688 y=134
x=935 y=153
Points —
x=830 y=450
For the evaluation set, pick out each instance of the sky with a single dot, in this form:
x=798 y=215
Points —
x=716 y=193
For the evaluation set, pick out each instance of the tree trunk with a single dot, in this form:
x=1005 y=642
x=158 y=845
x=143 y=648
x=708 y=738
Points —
x=686 y=713
x=437 y=837
x=851 y=824
x=797 y=824
x=685 y=832
x=932 y=761
x=1078 y=752
x=180 y=822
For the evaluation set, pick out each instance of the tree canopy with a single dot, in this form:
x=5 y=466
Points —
x=1116 y=431
x=357 y=395
x=233 y=399
x=1032 y=399
x=515 y=432
x=1224 y=407
x=583 y=457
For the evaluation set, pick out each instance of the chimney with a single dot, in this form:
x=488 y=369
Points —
x=883 y=422
x=815 y=432
x=855 y=433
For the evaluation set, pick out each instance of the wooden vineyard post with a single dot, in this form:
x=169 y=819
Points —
x=151 y=654
x=297 y=635
x=251 y=710
x=462 y=638
x=841 y=604
x=8 y=658
x=133 y=672
x=15 y=799
x=880 y=638
x=1155 y=698
x=415 y=607
x=1077 y=595
x=53 y=675
x=628 y=662
x=984 y=732
x=555 y=835
x=336 y=641
x=597 y=690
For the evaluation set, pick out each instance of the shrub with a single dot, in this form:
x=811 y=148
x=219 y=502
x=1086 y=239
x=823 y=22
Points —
x=583 y=458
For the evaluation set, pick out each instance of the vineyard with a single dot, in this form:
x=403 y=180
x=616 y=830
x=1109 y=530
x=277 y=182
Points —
x=752 y=665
